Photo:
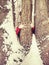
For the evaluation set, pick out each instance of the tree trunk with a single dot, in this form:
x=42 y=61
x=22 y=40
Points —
x=3 y=13
x=11 y=52
x=42 y=29
x=26 y=19
x=23 y=14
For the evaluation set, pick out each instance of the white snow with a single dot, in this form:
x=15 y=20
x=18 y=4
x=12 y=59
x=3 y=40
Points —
x=33 y=57
x=14 y=53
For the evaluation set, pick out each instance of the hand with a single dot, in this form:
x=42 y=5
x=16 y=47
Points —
x=21 y=26
x=32 y=25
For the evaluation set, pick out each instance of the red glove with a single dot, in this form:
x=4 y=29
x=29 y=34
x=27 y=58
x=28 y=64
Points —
x=17 y=30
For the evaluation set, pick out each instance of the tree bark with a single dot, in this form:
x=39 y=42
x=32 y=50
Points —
x=3 y=13
x=42 y=29
x=26 y=19
x=23 y=15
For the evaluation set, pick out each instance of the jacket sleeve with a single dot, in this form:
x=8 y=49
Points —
x=17 y=31
x=33 y=30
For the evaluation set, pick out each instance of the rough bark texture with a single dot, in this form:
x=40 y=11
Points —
x=3 y=10
x=2 y=53
x=26 y=34
x=47 y=1
x=18 y=9
x=11 y=52
x=23 y=15
x=42 y=29
x=24 y=12
x=3 y=13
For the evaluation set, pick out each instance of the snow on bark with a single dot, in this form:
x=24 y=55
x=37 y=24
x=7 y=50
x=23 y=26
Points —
x=15 y=52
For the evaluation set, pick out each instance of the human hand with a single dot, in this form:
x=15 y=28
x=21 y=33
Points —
x=21 y=26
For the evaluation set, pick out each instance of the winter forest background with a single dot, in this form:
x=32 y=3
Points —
x=11 y=52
